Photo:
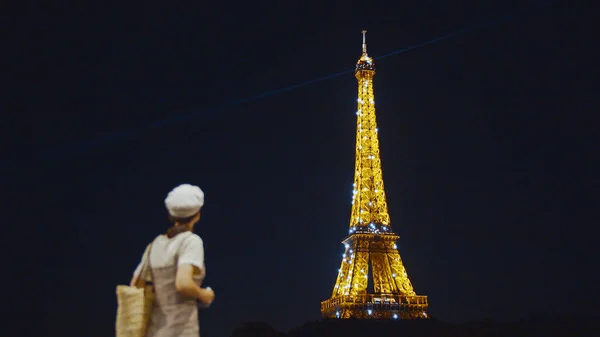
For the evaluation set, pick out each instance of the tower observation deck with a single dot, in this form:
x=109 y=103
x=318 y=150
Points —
x=384 y=291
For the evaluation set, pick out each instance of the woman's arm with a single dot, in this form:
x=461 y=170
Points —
x=136 y=280
x=185 y=284
x=190 y=260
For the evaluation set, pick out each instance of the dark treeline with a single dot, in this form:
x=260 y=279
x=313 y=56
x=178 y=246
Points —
x=535 y=326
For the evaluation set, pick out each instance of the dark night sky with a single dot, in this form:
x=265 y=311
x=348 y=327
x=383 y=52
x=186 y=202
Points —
x=487 y=151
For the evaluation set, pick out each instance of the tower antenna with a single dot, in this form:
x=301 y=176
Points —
x=364 y=44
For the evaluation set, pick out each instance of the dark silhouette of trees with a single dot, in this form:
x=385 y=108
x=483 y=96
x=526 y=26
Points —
x=539 y=325
x=257 y=329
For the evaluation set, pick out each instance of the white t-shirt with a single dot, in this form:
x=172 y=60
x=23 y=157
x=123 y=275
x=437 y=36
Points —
x=186 y=247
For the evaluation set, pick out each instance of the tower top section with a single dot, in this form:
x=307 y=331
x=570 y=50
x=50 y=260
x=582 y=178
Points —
x=365 y=62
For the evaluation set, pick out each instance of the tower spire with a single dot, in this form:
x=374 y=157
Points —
x=384 y=291
x=364 y=44
x=365 y=62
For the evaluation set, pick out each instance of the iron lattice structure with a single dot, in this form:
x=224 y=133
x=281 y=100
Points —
x=388 y=293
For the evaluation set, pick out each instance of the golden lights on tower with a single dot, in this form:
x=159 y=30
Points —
x=386 y=291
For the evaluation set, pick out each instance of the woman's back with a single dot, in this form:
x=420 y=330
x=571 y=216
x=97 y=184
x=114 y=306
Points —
x=173 y=314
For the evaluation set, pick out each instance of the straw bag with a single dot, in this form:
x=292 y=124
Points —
x=135 y=306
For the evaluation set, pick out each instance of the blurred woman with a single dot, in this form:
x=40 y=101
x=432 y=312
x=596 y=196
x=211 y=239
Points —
x=176 y=268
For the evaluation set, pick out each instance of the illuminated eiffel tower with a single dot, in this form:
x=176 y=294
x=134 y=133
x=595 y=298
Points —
x=387 y=293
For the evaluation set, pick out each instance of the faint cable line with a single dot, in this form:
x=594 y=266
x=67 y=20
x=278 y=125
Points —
x=193 y=115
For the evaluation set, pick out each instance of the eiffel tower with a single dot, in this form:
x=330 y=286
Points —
x=386 y=292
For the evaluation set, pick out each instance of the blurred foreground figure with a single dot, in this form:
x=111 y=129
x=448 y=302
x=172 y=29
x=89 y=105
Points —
x=176 y=268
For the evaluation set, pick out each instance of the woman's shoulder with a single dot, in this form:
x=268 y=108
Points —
x=189 y=238
x=193 y=237
x=182 y=239
x=190 y=242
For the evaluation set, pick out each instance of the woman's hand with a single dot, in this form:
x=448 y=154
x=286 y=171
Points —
x=207 y=296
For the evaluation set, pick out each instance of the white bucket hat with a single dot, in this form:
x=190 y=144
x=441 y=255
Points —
x=184 y=201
